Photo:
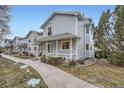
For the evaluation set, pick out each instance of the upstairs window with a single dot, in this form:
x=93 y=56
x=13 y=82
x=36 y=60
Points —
x=29 y=41
x=29 y=48
x=87 y=29
x=50 y=30
x=35 y=48
x=87 y=46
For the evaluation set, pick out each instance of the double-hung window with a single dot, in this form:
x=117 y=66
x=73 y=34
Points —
x=50 y=30
x=65 y=45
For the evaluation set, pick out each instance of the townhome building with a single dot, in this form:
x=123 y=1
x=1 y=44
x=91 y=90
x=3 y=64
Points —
x=32 y=48
x=22 y=46
x=8 y=46
x=67 y=34
x=15 y=44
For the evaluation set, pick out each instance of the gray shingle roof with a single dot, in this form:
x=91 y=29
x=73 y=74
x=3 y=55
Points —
x=58 y=37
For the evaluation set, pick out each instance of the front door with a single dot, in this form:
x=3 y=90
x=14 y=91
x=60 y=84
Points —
x=50 y=47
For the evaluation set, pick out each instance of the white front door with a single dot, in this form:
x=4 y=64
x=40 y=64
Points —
x=50 y=48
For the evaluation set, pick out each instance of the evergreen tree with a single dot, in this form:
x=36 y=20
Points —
x=119 y=26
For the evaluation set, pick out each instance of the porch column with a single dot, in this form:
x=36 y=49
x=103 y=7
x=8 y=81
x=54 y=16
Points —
x=76 y=49
x=46 y=48
x=56 y=48
x=71 y=49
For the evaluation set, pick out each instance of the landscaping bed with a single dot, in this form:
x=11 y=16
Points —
x=13 y=75
x=101 y=75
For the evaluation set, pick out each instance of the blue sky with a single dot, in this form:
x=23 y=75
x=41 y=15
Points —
x=25 y=18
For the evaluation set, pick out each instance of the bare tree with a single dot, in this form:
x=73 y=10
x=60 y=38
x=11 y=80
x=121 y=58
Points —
x=4 y=22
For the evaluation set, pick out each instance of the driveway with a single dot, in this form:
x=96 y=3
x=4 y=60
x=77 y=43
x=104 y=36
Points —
x=53 y=77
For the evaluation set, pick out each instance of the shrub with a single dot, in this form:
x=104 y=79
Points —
x=44 y=59
x=32 y=55
x=72 y=62
x=117 y=58
x=55 y=60
x=81 y=61
x=101 y=54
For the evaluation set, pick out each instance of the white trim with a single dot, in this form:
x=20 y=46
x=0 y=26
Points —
x=76 y=25
x=51 y=46
x=56 y=47
x=46 y=48
x=76 y=49
x=50 y=25
x=71 y=48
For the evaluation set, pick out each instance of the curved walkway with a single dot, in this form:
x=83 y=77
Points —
x=53 y=77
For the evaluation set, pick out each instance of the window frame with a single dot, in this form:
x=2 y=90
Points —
x=87 y=46
x=87 y=31
x=35 y=48
x=65 y=41
x=52 y=29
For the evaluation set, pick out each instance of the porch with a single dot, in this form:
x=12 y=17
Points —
x=64 y=45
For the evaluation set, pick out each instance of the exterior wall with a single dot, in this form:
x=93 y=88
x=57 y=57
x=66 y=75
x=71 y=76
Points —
x=15 y=46
x=85 y=39
x=61 y=24
x=32 y=44
x=71 y=24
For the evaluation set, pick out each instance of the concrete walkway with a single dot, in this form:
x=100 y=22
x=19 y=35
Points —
x=53 y=77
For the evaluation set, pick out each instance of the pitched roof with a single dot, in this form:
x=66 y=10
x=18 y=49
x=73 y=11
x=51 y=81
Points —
x=62 y=13
x=9 y=40
x=31 y=31
x=58 y=37
x=16 y=37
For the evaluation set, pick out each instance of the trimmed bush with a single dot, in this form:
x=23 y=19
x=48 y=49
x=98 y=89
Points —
x=44 y=59
x=32 y=55
x=81 y=61
x=72 y=62
x=101 y=54
x=55 y=60
x=117 y=58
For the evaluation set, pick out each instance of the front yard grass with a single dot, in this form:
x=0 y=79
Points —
x=100 y=75
x=12 y=76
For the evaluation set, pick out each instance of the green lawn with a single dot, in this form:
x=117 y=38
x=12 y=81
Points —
x=11 y=75
x=98 y=74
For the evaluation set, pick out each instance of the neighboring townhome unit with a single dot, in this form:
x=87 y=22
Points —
x=15 y=45
x=22 y=45
x=32 y=48
x=67 y=34
x=8 y=46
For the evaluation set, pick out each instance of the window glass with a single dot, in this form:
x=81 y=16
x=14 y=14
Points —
x=65 y=45
x=49 y=31
x=87 y=46
x=35 y=48
x=87 y=29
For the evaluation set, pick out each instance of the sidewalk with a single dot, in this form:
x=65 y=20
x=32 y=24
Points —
x=53 y=77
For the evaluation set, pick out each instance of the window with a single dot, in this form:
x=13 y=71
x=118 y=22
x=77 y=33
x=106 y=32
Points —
x=29 y=48
x=90 y=47
x=65 y=45
x=29 y=41
x=35 y=48
x=87 y=29
x=87 y=46
x=49 y=31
